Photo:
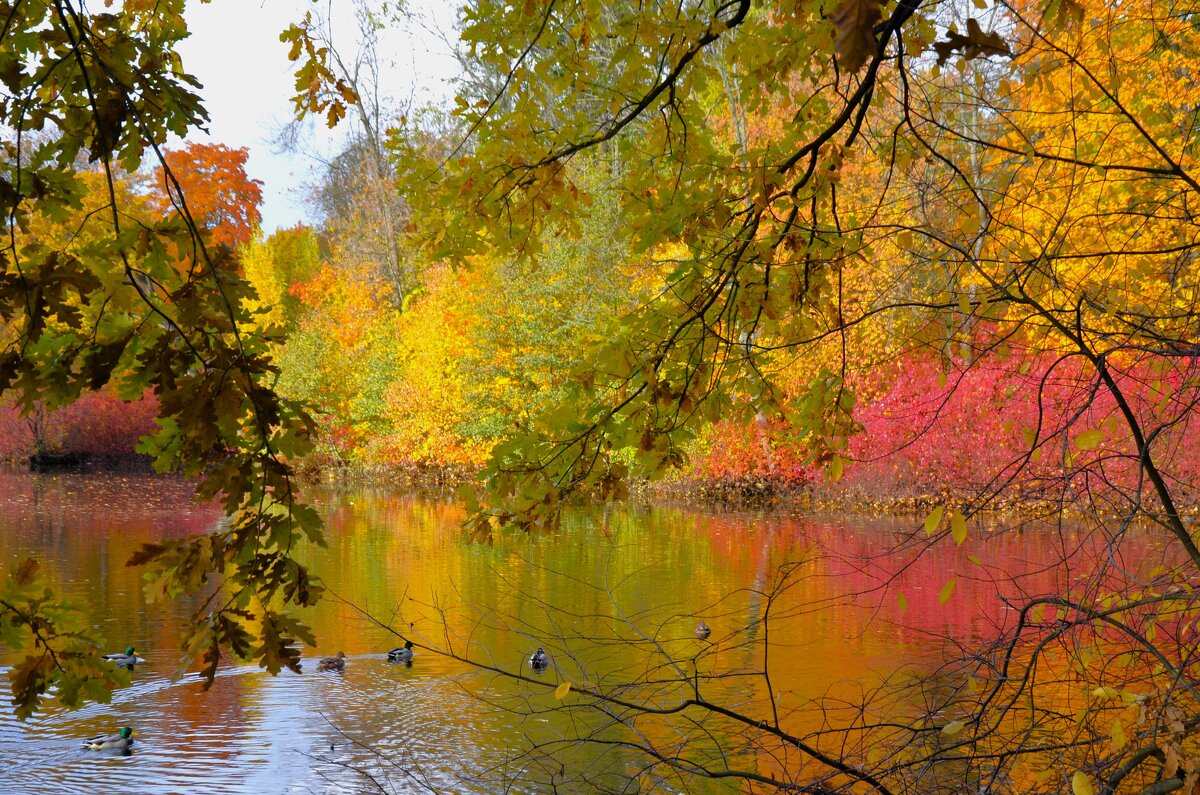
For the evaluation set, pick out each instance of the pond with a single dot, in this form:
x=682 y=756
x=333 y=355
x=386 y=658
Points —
x=613 y=597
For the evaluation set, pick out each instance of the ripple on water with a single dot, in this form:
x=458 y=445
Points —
x=256 y=733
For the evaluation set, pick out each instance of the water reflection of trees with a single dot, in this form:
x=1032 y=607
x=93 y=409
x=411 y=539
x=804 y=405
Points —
x=811 y=665
x=813 y=678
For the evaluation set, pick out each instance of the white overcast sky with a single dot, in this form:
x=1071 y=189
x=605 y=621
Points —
x=234 y=50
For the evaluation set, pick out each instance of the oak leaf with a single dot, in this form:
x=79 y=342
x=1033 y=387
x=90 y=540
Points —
x=976 y=44
x=855 y=22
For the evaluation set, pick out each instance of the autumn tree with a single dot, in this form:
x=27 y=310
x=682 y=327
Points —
x=210 y=181
x=355 y=198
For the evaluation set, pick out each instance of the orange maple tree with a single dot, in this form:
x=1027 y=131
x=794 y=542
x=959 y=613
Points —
x=220 y=196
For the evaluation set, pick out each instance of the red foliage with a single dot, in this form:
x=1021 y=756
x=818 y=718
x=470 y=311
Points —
x=974 y=427
x=98 y=424
x=220 y=196
x=928 y=432
x=759 y=450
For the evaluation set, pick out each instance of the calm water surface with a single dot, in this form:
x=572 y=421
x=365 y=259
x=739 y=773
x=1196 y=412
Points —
x=632 y=573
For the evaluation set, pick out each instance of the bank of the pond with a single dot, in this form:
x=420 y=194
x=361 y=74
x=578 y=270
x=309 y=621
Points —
x=861 y=494
x=750 y=493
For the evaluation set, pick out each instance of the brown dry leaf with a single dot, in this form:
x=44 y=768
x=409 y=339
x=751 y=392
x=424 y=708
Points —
x=855 y=22
x=976 y=44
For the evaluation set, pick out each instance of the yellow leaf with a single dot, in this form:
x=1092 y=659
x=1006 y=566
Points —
x=835 y=468
x=902 y=602
x=933 y=520
x=953 y=727
x=1117 y=732
x=1106 y=693
x=1089 y=439
x=947 y=591
x=958 y=527
x=1043 y=777
x=561 y=691
x=1081 y=784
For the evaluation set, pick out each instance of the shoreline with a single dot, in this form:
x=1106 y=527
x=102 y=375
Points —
x=751 y=493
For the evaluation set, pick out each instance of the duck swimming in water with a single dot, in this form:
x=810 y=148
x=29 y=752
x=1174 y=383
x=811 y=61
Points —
x=703 y=630
x=539 y=660
x=402 y=654
x=337 y=663
x=121 y=740
x=126 y=660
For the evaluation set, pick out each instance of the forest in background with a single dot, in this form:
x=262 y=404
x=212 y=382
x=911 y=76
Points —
x=416 y=367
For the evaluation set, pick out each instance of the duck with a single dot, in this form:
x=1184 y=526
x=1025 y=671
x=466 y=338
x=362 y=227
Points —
x=122 y=740
x=126 y=660
x=539 y=660
x=402 y=654
x=337 y=663
x=703 y=630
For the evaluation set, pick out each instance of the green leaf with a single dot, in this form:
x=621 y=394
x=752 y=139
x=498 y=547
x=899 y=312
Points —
x=1088 y=440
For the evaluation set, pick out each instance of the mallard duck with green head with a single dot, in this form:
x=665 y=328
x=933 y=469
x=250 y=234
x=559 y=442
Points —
x=402 y=654
x=126 y=660
x=121 y=741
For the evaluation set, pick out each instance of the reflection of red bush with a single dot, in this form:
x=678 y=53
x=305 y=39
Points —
x=97 y=424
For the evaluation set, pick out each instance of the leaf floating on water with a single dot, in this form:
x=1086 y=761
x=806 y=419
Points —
x=561 y=691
